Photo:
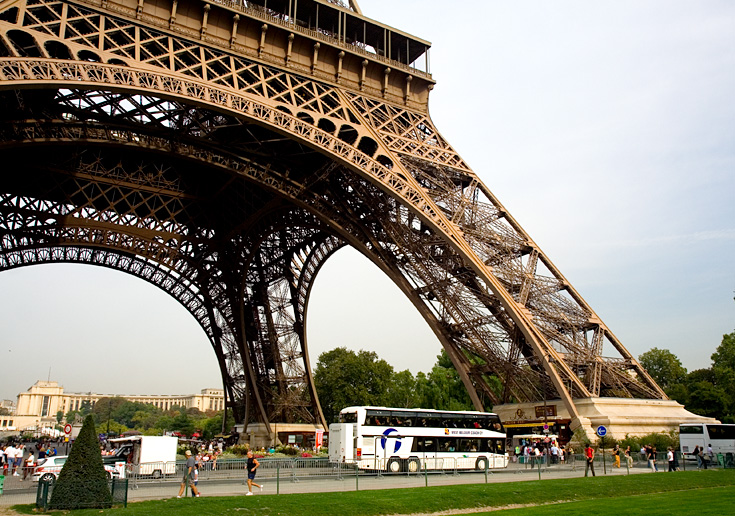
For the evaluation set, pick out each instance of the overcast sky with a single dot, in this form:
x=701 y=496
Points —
x=606 y=128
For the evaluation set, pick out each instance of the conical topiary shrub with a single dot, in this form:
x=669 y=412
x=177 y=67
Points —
x=82 y=482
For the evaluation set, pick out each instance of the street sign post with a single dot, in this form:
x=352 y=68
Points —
x=602 y=432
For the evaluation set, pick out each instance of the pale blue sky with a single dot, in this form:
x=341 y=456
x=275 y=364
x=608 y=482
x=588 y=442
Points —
x=607 y=128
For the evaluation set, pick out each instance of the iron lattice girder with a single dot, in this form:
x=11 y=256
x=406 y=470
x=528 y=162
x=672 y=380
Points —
x=496 y=302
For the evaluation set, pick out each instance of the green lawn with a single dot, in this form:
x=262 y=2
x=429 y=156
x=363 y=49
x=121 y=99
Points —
x=679 y=493
x=715 y=501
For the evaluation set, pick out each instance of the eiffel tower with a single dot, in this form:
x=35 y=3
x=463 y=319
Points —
x=224 y=150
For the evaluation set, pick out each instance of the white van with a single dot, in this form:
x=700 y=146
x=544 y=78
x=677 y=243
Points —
x=151 y=455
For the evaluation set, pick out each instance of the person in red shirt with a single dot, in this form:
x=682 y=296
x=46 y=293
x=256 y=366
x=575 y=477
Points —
x=589 y=454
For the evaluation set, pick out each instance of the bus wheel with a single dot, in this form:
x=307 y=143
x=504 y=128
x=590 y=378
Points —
x=157 y=474
x=481 y=464
x=394 y=466
x=414 y=466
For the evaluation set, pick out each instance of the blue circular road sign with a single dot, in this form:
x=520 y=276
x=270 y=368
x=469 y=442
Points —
x=601 y=431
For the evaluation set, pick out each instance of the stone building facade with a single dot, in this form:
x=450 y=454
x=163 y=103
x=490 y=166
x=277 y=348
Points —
x=39 y=405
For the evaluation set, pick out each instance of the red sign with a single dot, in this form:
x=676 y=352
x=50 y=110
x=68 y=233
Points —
x=67 y=429
x=319 y=439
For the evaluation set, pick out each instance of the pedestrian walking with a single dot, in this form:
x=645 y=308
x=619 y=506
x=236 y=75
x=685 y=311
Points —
x=188 y=475
x=702 y=458
x=196 y=478
x=670 y=458
x=252 y=465
x=629 y=457
x=616 y=456
x=28 y=464
x=589 y=454
x=651 y=456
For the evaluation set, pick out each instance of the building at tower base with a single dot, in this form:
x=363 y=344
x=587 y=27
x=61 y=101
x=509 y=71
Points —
x=620 y=417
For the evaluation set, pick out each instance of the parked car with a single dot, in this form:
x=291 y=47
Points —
x=50 y=467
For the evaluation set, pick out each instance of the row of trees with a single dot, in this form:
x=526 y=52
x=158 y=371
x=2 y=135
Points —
x=707 y=392
x=118 y=415
x=346 y=378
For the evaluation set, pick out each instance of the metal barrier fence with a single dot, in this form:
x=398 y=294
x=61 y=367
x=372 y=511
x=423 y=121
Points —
x=118 y=490
x=300 y=475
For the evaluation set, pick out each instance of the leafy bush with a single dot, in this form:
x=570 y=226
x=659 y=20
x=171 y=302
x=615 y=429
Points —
x=181 y=449
x=239 y=449
x=288 y=450
x=660 y=441
x=82 y=482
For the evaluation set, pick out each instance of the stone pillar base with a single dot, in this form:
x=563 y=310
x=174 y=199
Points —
x=620 y=416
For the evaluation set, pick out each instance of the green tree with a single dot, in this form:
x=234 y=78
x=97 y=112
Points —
x=700 y=375
x=707 y=400
x=104 y=409
x=444 y=390
x=126 y=413
x=344 y=378
x=723 y=367
x=663 y=366
x=724 y=356
x=59 y=416
x=212 y=426
x=82 y=482
x=402 y=391
x=85 y=408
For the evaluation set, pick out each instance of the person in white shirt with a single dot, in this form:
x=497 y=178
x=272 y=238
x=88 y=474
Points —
x=670 y=458
x=10 y=457
x=19 y=452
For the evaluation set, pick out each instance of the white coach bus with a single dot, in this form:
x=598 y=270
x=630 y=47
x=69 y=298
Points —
x=721 y=437
x=399 y=439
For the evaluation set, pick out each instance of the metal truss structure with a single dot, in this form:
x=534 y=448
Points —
x=223 y=150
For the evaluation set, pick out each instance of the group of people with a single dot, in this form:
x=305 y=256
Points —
x=703 y=457
x=648 y=453
x=532 y=453
x=191 y=474
x=17 y=458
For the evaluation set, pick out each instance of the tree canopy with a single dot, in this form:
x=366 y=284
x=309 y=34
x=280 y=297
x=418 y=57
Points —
x=708 y=392
x=663 y=366
x=346 y=378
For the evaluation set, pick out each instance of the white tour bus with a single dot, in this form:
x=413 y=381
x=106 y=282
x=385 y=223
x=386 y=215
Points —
x=721 y=437
x=399 y=439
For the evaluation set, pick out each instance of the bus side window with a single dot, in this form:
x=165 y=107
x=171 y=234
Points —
x=447 y=444
x=424 y=444
x=468 y=445
x=498 y=446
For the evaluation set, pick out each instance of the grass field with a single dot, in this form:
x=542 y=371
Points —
x=696 y=492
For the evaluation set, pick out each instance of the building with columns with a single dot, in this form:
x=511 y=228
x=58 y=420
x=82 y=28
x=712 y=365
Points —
x=39 y=405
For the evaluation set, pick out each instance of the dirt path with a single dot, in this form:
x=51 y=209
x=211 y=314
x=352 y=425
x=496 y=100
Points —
x=472 y=510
